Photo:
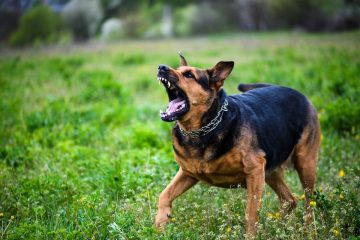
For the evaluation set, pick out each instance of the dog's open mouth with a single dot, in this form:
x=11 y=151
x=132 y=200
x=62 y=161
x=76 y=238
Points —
x=178 y=103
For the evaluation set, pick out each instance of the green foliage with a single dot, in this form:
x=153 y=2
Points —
x=82 y=17
x=182 y=18
x=83 y=153
x=343 y=115
x=130 y=59
x=40 y=24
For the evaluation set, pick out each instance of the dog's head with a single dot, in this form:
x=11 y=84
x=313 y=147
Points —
x=191 y=90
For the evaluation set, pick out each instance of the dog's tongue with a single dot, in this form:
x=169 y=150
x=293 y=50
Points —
x=174 y=105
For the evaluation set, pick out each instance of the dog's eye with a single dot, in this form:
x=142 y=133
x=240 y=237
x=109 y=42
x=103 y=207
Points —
x=188 y=75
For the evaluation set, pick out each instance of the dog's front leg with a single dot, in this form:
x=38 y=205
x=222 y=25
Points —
x=255 y=182
x=180 y=183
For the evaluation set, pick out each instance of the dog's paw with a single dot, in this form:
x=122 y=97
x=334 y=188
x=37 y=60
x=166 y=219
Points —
x=162 y=218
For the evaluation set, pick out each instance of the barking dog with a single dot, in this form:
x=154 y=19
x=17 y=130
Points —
x=239 y=140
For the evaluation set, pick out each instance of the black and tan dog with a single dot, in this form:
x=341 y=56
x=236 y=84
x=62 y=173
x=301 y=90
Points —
x=239 y=140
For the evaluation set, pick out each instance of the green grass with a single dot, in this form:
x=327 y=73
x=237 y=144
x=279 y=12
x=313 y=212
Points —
x=84 y=155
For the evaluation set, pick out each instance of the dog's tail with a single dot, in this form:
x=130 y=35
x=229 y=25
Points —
x=247 y=87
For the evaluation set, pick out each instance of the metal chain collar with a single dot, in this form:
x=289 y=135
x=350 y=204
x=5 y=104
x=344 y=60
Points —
x=209 y=127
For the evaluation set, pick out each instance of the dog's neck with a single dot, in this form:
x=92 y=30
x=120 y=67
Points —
x=195 y=124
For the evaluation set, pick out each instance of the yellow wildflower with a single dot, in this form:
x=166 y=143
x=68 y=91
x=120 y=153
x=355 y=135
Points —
x=335 y=232
x=313 y=203
x=321 y=137
x=342 y=173
x=1 y=214
x=302 y=197
x=173 y=219
x=12 y=217
x=228 y=229
x=274 y=216
x=341 y=196
x=237 y=214
x=191 y=221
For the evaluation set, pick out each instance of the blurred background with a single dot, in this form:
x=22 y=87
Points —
x=29 y=22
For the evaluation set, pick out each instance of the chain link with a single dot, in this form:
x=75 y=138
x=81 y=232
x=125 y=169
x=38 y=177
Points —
x=209 y=127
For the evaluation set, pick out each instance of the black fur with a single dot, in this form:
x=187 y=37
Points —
x=277 y=116
x=203 y=80
x=247 y=87
x=220 y=140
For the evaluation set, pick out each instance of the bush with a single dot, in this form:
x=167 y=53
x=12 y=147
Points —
x=38 y=24
x=312 y=15
x=250 y=14
x=183 y=18
x=204 y=18
x=83 y=17
x=342 y=115
x=208 y=18
x=146 y=22
x=112 y=29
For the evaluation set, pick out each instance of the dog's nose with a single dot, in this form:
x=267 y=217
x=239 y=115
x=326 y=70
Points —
x=163 y=68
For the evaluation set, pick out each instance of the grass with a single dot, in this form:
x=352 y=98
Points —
x=84 y=155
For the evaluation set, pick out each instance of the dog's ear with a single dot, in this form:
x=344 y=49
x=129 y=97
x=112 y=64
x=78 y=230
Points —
x=219 y=73
x=183 y=61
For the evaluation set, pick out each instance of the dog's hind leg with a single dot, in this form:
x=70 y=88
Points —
x=275 y=180
x=180 y=183
x=305 y=159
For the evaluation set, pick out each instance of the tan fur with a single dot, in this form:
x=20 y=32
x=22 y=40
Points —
x=199 y=99
x=276 y=181
x=242 y=165
x=227 y=171
x=305 y=158
x=177 y=186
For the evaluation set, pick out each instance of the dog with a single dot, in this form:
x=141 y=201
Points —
x=243 y=140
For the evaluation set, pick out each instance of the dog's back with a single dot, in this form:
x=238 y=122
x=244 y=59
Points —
x=278 y=115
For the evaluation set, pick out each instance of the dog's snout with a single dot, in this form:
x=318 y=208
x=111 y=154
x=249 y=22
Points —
x=163 y=68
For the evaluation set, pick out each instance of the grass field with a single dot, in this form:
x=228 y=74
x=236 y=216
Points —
x=84 y=154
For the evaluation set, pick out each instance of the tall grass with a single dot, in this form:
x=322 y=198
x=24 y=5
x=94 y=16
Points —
x=84 y=155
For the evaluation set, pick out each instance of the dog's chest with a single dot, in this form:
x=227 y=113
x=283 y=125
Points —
x=225 y=171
